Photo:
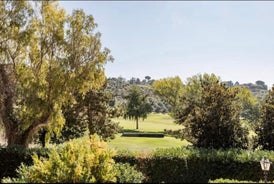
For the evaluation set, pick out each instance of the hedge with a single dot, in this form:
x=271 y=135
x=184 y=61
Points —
x=174 y=165
x=181 y=165
x=140 y=134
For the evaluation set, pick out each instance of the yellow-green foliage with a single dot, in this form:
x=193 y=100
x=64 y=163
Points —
x=221 y=180
x=89 y=161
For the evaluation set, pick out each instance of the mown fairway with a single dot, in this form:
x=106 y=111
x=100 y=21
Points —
x=154 y=123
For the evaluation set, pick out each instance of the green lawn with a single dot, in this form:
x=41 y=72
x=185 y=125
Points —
x=143 y=144
x=154 y=123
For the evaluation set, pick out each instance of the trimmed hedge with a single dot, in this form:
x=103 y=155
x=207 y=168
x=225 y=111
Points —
x=181 y=165
x=138 y=134
x=175 y=165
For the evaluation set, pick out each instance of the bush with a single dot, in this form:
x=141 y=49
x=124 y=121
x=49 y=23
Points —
x=87 y=162
x=12 y=157
x=175 y=165
x=221 y=180
x=128 y=174
x=183 y=165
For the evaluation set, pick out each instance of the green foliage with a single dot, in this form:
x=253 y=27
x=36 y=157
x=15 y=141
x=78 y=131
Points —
x=128 y=174
x=174 y=165
x=137 y=105
x=11 y=158
x=87 y=162
x=221 y=180
x=120 y=86
x=75 y=125
x=92 y=112
x=265 y=129
x=170 y=89
x=99 y=114
x=250 y=105
x=52 y=56
x=187 y=165
x=210 y=112
x=258 y=90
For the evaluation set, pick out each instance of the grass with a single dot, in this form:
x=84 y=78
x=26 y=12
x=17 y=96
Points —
x=144 y=144
x=154 y=123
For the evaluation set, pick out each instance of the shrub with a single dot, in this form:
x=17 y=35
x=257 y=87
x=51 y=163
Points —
x=128 y=174
x=87 y=162
x=184 y=165
x=221 y=180
x=12 y=157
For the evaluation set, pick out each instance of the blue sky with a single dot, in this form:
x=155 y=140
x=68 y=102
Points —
x=234 y=40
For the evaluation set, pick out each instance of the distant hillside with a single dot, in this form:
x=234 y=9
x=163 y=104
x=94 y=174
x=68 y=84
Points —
x=259 y=89
x=119 y=87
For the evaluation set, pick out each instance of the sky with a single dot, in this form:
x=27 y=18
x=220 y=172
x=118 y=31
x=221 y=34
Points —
x=232 y=39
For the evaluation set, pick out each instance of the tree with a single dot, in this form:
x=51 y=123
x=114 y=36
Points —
x=210 y=112
x=250 y=105
x=75 y=125
x=92 y=112
x=46 y=57
x=170 y=89
x=265 y=129
x=137 y=105
x=99 y=114
x=147 y=78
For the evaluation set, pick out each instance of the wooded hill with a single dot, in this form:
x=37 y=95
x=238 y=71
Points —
x=259 y=89
x=119 y=87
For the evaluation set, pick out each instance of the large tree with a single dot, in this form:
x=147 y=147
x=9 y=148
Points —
x=265 y=129
x=137 y=106
x=170 y=89
x=210 y=112
x=46 y=57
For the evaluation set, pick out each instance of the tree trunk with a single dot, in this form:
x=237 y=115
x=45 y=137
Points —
x=42 y=137
x=16 y=137
x=7 y=102
x=137 y=125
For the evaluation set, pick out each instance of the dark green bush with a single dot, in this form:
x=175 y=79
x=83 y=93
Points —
x=181 y=165
x=140 y=134
x=12 y=157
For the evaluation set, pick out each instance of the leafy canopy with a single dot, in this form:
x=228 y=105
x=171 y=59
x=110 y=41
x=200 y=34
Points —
x=46 y=57
x=170 y=89
x=265 y=128
x=210 y=112
x=137 y=105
